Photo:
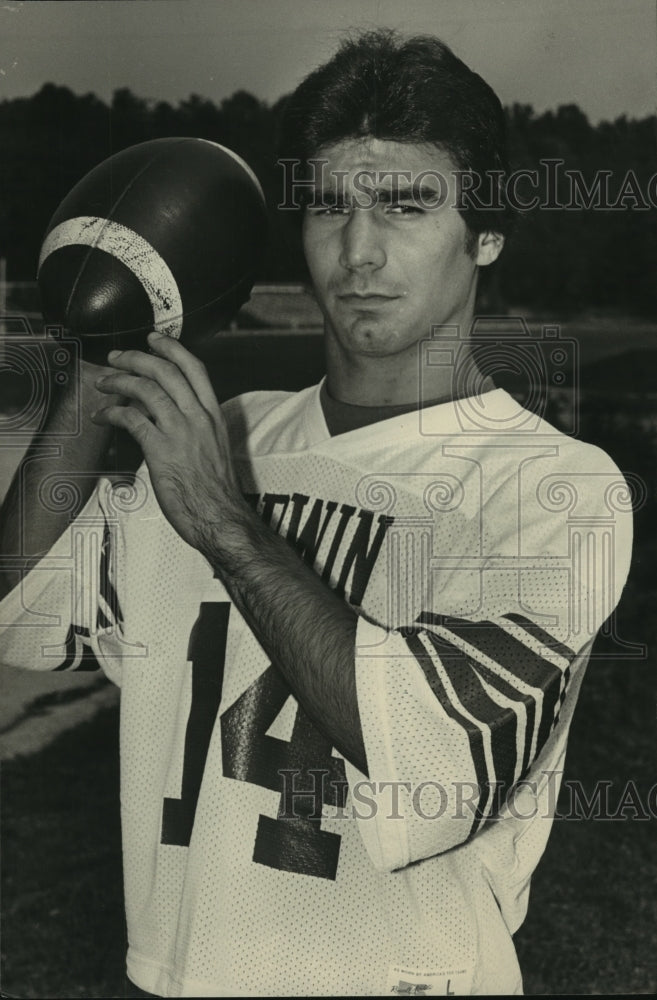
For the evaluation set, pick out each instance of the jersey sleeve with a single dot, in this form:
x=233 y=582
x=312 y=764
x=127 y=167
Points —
x=65 y=615
x=474 y=688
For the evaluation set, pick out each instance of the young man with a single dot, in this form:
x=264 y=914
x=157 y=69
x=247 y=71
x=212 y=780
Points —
x=349 y=624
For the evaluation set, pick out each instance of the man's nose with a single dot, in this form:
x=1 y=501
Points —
x=362 y=241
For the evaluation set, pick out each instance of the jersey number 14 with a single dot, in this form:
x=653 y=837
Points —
x=302 y=770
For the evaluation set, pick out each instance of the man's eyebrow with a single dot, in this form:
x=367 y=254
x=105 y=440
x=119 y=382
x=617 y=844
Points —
x=326 y=196
x=386 y=192
x=319 y=197
x=422 y=191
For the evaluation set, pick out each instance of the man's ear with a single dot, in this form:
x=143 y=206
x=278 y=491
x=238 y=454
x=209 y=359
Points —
x=489 y=247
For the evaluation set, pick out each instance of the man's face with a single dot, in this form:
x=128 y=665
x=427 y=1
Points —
x=387 y=252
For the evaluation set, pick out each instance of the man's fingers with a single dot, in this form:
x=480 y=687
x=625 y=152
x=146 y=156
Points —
x=194 y=370
x=154 y=399
x=131 y=420
x=165 y=373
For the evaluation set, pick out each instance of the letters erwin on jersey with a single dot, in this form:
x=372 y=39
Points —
x=312 y=523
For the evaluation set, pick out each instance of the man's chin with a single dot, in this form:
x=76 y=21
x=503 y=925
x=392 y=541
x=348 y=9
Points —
x=370 y=337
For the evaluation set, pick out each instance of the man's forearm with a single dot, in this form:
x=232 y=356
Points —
x=28 y=527
x=308 y=630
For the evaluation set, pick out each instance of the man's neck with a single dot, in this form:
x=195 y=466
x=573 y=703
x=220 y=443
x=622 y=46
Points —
x=399 y=380
x=341 y=417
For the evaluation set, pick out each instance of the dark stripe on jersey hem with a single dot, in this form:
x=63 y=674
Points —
x=71 y=644
x=102 y=621
x=111 y=599
x=88 y=657
x=77 y=643
x=106 y=586
x=474 y=734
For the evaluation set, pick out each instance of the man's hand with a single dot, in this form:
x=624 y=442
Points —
x=308 y=631
x=173 y=414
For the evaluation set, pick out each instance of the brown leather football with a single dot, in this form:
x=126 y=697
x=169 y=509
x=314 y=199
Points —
x=166 y=235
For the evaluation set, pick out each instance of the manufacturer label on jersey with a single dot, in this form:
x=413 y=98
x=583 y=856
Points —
x=442 y=983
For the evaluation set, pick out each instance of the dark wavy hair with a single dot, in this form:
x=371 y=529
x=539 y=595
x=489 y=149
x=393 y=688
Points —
x=411 y=90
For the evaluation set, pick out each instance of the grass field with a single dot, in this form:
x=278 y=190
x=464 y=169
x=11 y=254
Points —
x=592 y=924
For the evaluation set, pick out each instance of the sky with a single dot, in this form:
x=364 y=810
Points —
x=599 y=54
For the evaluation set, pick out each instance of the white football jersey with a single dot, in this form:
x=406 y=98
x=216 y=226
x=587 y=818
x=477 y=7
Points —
x=482 y=551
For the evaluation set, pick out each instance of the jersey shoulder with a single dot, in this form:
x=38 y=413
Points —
x=263 y=423
x=574 y=450
x=509 y=422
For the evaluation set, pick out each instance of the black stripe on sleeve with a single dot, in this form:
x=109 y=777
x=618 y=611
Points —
x=102 y=621
x=510 y=653
x=107 y=590
x=71 y=645
x=88 y=659
x=558 y=647
x=502 y=723
x=473 y=732
x=562 y=697
x=79 y=656
x=539 y=633
x=511 y=692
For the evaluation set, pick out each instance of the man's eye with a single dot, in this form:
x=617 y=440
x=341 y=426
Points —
x=404 y=208
x=328 y=210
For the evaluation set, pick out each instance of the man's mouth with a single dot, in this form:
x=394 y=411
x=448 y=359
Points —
x=366 y=298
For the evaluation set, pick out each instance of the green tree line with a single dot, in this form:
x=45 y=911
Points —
x=563 y=256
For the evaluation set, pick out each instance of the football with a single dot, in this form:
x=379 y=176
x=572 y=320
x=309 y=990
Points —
x=166 y=235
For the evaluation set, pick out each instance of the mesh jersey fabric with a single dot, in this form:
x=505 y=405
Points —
x=482 y=550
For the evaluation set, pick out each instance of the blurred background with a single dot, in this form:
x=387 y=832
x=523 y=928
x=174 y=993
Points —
x=81 y=81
